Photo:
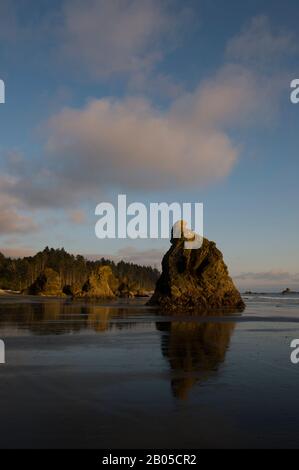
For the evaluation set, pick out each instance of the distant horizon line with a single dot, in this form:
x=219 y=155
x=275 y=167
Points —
x=261 y=289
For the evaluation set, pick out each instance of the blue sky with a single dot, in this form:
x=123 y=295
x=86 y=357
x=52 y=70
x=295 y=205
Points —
x=160 y=100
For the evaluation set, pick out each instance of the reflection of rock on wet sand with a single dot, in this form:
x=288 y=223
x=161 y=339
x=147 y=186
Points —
x=98 y=318
x=63 y=317
x=194 y=351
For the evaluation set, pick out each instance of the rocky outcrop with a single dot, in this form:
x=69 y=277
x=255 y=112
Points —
x=142 y=293
x=97 y=285
x=48 y=283
x=196 y=279
x=289 y=291
x=126 y=289
x=286 y=291
x=73 y=290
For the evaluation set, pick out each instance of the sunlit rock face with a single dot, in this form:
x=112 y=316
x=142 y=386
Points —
x=196 y=279
x=48 y=283
x=97 y=285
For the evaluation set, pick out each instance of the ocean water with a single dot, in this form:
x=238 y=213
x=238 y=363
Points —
x=122 y=375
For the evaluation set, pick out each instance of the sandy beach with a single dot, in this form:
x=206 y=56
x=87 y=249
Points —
x=125 y=376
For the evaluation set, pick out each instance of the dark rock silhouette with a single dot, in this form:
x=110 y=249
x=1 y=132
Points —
x=73 y=290
x=195 y=279
x=288 y=291
x=48 y=283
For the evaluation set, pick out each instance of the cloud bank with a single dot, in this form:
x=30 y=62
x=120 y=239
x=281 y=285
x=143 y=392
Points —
x=134 y=144
x=131 y=142
x=272 y=279
x=12 y=220
x=116 y=37
x=260 y=44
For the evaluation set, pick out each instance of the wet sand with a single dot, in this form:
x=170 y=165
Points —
x=125 y=376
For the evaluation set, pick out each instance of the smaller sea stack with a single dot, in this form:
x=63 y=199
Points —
x=48 y=283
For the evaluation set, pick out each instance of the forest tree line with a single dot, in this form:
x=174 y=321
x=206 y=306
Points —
x=18 y=274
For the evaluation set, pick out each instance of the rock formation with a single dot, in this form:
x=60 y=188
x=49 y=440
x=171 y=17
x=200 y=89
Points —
x=48 y=283
x=73 y=290
x=289 y=291
x=97 y=285
x=195 y=279
x=286 y=291
x=126 y=289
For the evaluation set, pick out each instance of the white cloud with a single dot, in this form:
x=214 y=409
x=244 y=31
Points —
x=98 y=39
x=259 y=43
x=12 y=220
x=132 y=143
x=77 y=217
x=273 y=275
x=18 y=252
x=275 y=279
x=151 y=257
x=115 y=37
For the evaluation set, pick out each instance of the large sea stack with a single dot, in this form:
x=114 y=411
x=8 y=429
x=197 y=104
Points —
x=196 y=279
